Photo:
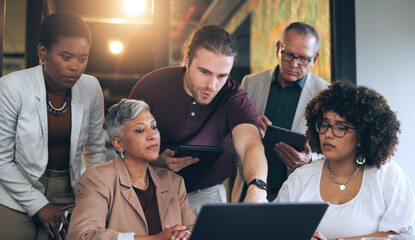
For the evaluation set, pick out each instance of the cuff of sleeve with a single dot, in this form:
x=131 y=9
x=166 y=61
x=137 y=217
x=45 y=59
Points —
x=39 y=204
x=315 y=156
x=126 y=236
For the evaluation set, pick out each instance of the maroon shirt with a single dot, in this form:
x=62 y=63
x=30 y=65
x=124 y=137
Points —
x=148 y=201
x=183 y=121
x=59 y=133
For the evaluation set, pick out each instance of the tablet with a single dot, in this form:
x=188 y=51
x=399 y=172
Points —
x=276 y=134
x=207 y=154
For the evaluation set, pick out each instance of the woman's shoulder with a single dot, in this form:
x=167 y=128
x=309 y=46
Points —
x=311 y=167
x=22 y=78
x=103 y=170
x=87 y=81
x=164 y=173
x=389 y=169
x=389 y=177
x=307 y=173
x=87 y=89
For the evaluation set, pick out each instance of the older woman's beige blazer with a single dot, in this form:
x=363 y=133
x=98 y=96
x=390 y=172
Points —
x=107 y=205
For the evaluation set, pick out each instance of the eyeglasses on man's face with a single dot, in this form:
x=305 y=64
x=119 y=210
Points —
x=288 y=57
x=338 y=129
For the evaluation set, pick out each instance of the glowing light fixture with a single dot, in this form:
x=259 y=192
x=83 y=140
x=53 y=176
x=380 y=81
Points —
x=135 y=7
x=116 y=47
x=117 y=20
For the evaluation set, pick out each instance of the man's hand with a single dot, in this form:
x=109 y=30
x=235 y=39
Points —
x=167 y=160
x=51 y=217
x=255 y=195
x=291 y=157
x=263 y=124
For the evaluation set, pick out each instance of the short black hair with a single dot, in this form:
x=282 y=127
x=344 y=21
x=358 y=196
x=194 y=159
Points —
x=62 y=24
x=364 y=108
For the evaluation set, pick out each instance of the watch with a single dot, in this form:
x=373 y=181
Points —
x=259 y=183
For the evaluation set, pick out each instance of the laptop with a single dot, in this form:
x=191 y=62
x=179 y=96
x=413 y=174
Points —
x=251 y=221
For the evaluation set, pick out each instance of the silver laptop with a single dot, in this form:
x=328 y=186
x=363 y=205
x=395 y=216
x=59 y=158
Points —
x=242 y=221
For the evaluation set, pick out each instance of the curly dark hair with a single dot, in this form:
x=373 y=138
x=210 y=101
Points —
x=364 y=108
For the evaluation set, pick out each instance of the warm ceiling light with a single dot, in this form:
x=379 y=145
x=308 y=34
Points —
x=116 y=20
x=116 y=47
x=135 y=7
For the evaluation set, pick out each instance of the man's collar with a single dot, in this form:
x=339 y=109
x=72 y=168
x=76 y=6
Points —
x=299 y=82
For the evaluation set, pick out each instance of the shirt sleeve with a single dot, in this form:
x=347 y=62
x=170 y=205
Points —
x=94 y=148
x=241 y=109
x=88 y=220
x=126 y=236
x=399 y=199
x=11 y=176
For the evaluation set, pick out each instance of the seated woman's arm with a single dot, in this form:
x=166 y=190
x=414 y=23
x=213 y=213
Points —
x=89 y=217
x=97 y=192
x=319 y=236
x=399 y=199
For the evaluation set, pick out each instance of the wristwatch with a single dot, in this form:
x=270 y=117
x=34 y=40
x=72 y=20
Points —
x=259 y=183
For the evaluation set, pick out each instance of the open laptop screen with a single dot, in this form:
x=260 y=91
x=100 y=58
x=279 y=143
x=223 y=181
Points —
x=243 y=221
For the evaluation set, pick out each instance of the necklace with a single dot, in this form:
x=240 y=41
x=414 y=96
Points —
x=342 y=184
x=58 y=111
x=147 y=183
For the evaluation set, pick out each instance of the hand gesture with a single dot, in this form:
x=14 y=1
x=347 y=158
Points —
x=291 y=157
x=263 y=124
x=51 y=218
x=167 y=160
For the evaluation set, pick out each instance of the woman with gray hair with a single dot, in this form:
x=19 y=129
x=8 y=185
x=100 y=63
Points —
x=127 y=198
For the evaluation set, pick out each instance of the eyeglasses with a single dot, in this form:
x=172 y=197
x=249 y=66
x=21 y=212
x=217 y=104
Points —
x=286 y=56
x=338 y=129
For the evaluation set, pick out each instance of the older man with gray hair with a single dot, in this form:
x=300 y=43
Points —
x=280 y=95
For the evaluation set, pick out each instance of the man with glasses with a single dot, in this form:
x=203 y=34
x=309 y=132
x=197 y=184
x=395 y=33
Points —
x=280 y=96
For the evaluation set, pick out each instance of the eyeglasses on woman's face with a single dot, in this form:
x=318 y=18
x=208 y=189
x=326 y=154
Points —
x=338 y=129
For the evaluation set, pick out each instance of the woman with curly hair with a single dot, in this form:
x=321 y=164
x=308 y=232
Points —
x=369 y=195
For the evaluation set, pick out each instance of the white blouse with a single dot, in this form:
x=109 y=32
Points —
x=385 y=202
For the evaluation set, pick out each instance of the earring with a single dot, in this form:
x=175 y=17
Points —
x=41 y=62
x=360 y=159
x=122 y=155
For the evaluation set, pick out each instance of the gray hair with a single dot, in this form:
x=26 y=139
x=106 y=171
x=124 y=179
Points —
x=121 y=113
x=304 y=29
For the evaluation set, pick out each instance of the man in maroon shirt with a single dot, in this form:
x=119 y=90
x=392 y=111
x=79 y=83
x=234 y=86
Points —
x=199 y=104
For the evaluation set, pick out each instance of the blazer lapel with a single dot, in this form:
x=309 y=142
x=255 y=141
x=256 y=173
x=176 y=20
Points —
x=127 y=189
x=77 y=111
x=41 y=102
x=306 y=94
x=163 y=196
x=263 y=93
